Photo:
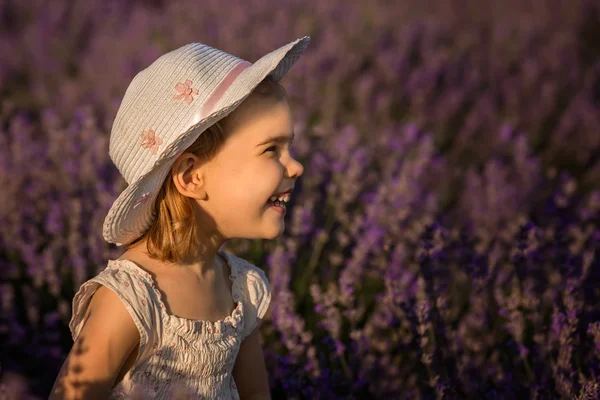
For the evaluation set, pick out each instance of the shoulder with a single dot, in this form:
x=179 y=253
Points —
x=248 y=271
x=105 y=338
x=108 y=315
x=254 y=285
x=117 y=287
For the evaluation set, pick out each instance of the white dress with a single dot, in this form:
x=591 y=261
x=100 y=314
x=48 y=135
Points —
x=179 y=357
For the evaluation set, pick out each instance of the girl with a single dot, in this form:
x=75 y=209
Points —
x=202 y=138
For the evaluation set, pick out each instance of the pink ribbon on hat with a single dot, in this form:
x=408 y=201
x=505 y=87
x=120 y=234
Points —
x=220 y=90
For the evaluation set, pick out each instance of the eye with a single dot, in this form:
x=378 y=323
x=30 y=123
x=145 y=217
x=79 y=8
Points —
x=272 y=148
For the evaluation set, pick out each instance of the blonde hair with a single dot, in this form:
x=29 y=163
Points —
x=173 y=235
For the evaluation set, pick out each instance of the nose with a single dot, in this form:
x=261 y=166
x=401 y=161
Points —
x=294 y=168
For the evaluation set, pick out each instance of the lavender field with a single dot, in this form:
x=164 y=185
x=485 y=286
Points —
x=444 y=240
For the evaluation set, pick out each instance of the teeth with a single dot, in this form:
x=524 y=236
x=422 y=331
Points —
x=284 y=198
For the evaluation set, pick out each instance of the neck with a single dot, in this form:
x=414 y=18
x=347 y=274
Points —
x=202 y=262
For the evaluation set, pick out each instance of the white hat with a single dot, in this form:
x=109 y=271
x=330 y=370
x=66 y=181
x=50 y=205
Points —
x=164 y=110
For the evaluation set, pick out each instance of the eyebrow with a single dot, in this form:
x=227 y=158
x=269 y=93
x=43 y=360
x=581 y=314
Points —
x=277 y=139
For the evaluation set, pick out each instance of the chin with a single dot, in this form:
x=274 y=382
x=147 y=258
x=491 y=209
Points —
x=273 y=233
x=272 y=236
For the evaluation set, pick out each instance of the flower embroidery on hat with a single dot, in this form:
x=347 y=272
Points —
x=150 y=140
x=144 y=198
x=185 y=91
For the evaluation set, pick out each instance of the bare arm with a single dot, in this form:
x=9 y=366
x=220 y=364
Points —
x=106 y=339
x=250 y=371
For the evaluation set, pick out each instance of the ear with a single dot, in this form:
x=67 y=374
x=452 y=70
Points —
x=187 y=173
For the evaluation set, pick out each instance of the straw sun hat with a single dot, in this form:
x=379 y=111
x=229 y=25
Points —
x=164 y=110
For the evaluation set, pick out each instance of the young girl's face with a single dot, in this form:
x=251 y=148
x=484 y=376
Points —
x=249 y=169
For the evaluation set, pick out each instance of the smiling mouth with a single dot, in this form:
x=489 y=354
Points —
x=280 y=199
x=276 y=203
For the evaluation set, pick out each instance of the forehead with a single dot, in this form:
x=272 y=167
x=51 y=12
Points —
x=257 y=120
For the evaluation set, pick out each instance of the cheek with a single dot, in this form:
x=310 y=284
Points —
x=263 y=178
x=250 y=185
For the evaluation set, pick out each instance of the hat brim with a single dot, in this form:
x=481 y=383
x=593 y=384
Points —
x=132 y=213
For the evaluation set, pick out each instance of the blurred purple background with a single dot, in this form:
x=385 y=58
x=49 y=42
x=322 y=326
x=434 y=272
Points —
x=444 y=240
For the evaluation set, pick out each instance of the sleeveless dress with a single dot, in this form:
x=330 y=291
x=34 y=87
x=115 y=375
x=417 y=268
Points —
x=179 y=357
